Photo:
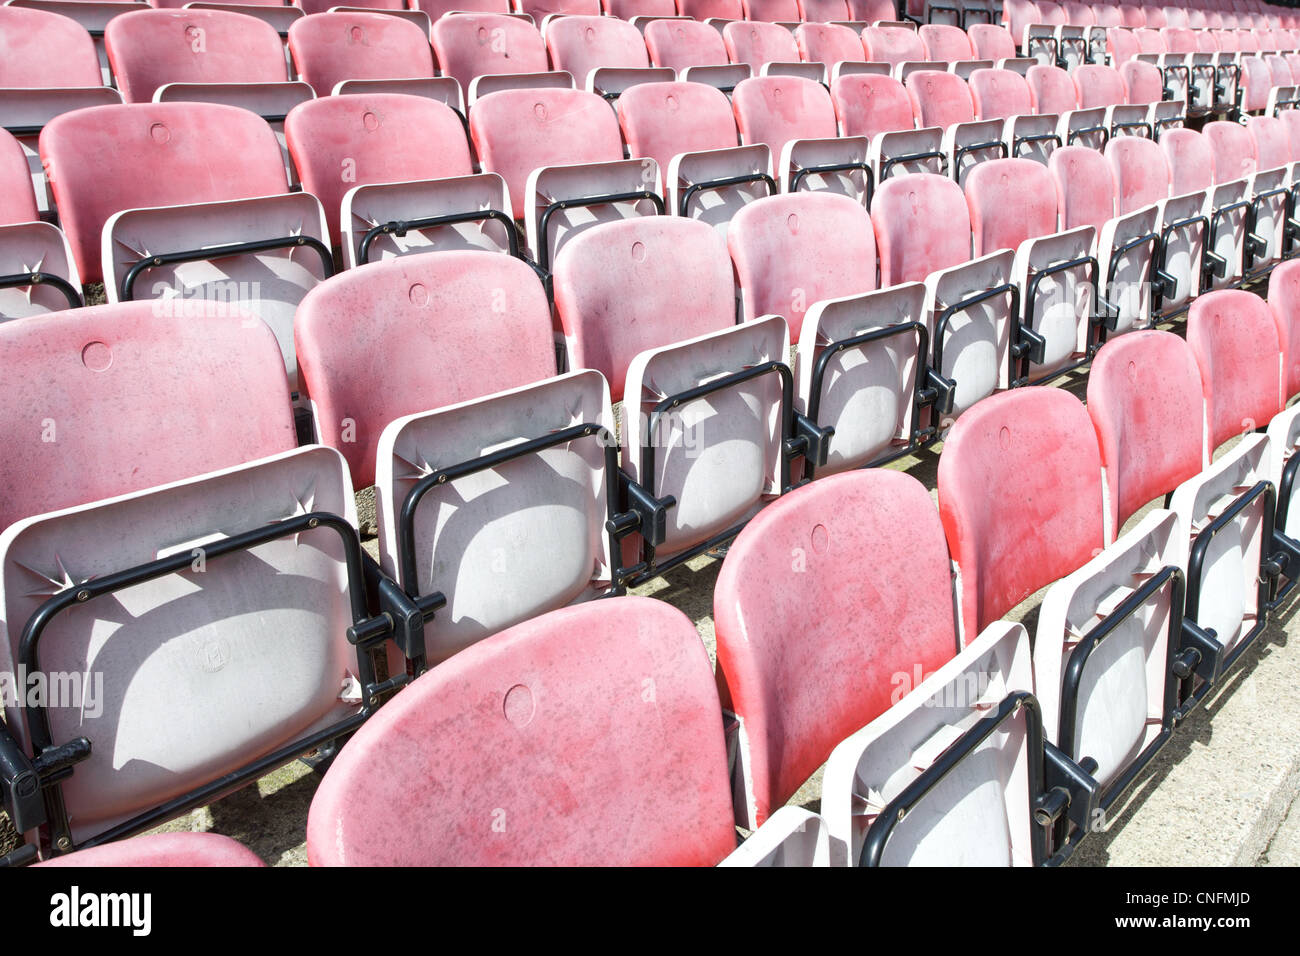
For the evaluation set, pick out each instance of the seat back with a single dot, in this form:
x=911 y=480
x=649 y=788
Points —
x=1234 y=339
x=17 y=199
x=101 y=384
x=109 y=158
x=870 y=103
x=892 y=45
x=1272 y=146
x=663 y=120
x=991 y=41
x=148 y=48
x=1099 y=86
x=828 y=44
x=1020 y=495
x=487 y=44
x=757 y=43
x=340 y=142
x=945 y=43
x=518 y=131
x=1144 y=398
x=1140 y=171
x=1144 y=81
x=679 y=44
x=771 y=11
x=518 y=726
x=40 y=50
x=1010 y=200
x=1190 y=158
x=582 y=44
x=795 y=250
x=777 y=109
x=1233 y=148
x=1284 y=303
x=939 y=99
x=482 y=317
x=798 y=681
x=1085 y=192
x=999 y=94
x=328 y=48
x=1052 y=89
x=922 y=225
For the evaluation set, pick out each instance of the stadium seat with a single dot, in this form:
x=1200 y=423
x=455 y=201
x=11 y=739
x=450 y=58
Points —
x=1006 y=95
x=991 y=42
x=163 y=849
x=329 y=48
x=892 y=45
x=695 y=50
x=879 y=108
x=703 y=10
x=603 y=54
x=945 y=43
x=829 y=44
x=1233 y=246
x=944 y=100
x=771 y=11
x=758 y=44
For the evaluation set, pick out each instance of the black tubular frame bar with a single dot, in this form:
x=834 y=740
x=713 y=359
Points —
x=1019 y=141
x=961 y=152
x=1079 y=43
x=1285 y=488
x=882 y=828
x=1116 y=129
x=1196 y=561
x=717 y=185
x=1192 y=86
x=406 y=555
x=917 y=438
x=1025 y=350
x=1110 y=322
x=1043 y=39
x=560 y=205
x=1255 y=243
x=945 y=317
x=888 y=165
x=1078 y=661
x=865 y=168
x=1221 y=89
x=648 y=567
x=1174 y=69
x=1162 y=252
x=29 y=279
x=1073 y=134
x=1214 y=265
x=226 y=251
x=400 y=227
x=360 y=634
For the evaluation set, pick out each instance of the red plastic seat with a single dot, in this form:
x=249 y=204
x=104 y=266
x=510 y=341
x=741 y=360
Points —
x=1284 y=303
x=514 y=734
x=40 y=50
x=777 y=109
x=991 y=41
x=328 y=48
x=870 y=103
x=664 y=120
x=702 y=10
x=1099 y=86
x=999 y=94
x=892 y=45
x=1140 y=172
x=163 y=849
x=679 y=44
x=771 y=11
x=1011 y=200
x=945 y=43
x=580 y=45
x=828 y=44
x=487 y=44
x=1234 y=150
x=922 y=225
x=939 y=99
x=1052 y=89
x=758 y=43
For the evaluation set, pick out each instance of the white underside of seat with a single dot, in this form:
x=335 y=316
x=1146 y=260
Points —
x=551 y=184
x=803 y=153
x=908 y=142
x=979 y=814
x=1130 y=291
x=35 y=247
x=1064 y=301
x=1231 y=229
x=1184 y=250
x=717 y=206
x=792 y=836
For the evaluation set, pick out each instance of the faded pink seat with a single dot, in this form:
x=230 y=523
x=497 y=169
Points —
x=465 y=51
x=1179 y=39
x=777 y=109
x=1053 y=90
x=1284 y=303
x=922 y=225
x=870 y=103
x=771 y=11
x=939 y=99
x=17 y=201
x=1190 y=158
x=823 y=11
x=1011 y=200
x=611 y=311
x=518 y=131
x=795 y=250
x=322 y=6
x=110 y=158
x=1234 y=339
x=1085 y=192
x=539 y=10
x=678 y=44
x=582 y=44
x=991 y=41
x=628 y=9
x=1144 y=398
x=163 y=849
x=1099 y=86
x=1272 y=145
x=757 y=43
x=800 y=682
x=999 y=94
x=945 y=43
x=149 y=48
x=378 y=138
x=1134 y=16
x=703 y=10
x=892 y=45
x=1140 y=172
x=517 y=729
x=1149 y=41
x=872 y=11
x=1233 y=148
x=1256 y=82
x=436 y=9
x=129 y=387
x=828 y=44
x=1020 y=496
x=433 y=309
x=328 y=48
x=663 y=120
x=40 y=50
x=1144 y=81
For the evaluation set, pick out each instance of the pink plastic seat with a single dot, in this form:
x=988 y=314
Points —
x=922 y=226
x=882 y=610
x=17 y=201
x=991 y=41
x=1191 y=161
x=1052 y=89
x=1099 y=86
x=778 y=109
x=436 y=307
x=516 y=132
x=149 y=48
x=1020 y=496
x=328 y=48
x=823 y=11
x=1272 y=145
x=511 y=730
x=828 y=44
x=1011 y=200
x=999 y=94
x=580 y=45
x=892 y=45
x=758 y=43
x=702 y=10
x=110 y=380
x=322 y=6
x=795 y=250
x=939 y=99
x=1140 y=172
x=1085 y=192
x=539 y=10
x=29 y=247
x=945 y=43
x=1284 y=303
x=163 y=849
x=867 y=104
x=679 y=44
x=771 y=11
x=872 y=11
x=1144 y=81
x=41 y=50
x=1234 y=150
x=466 y=47
x=629 y=9
x=380 y=138
x=664 y=120
x=436 y=9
